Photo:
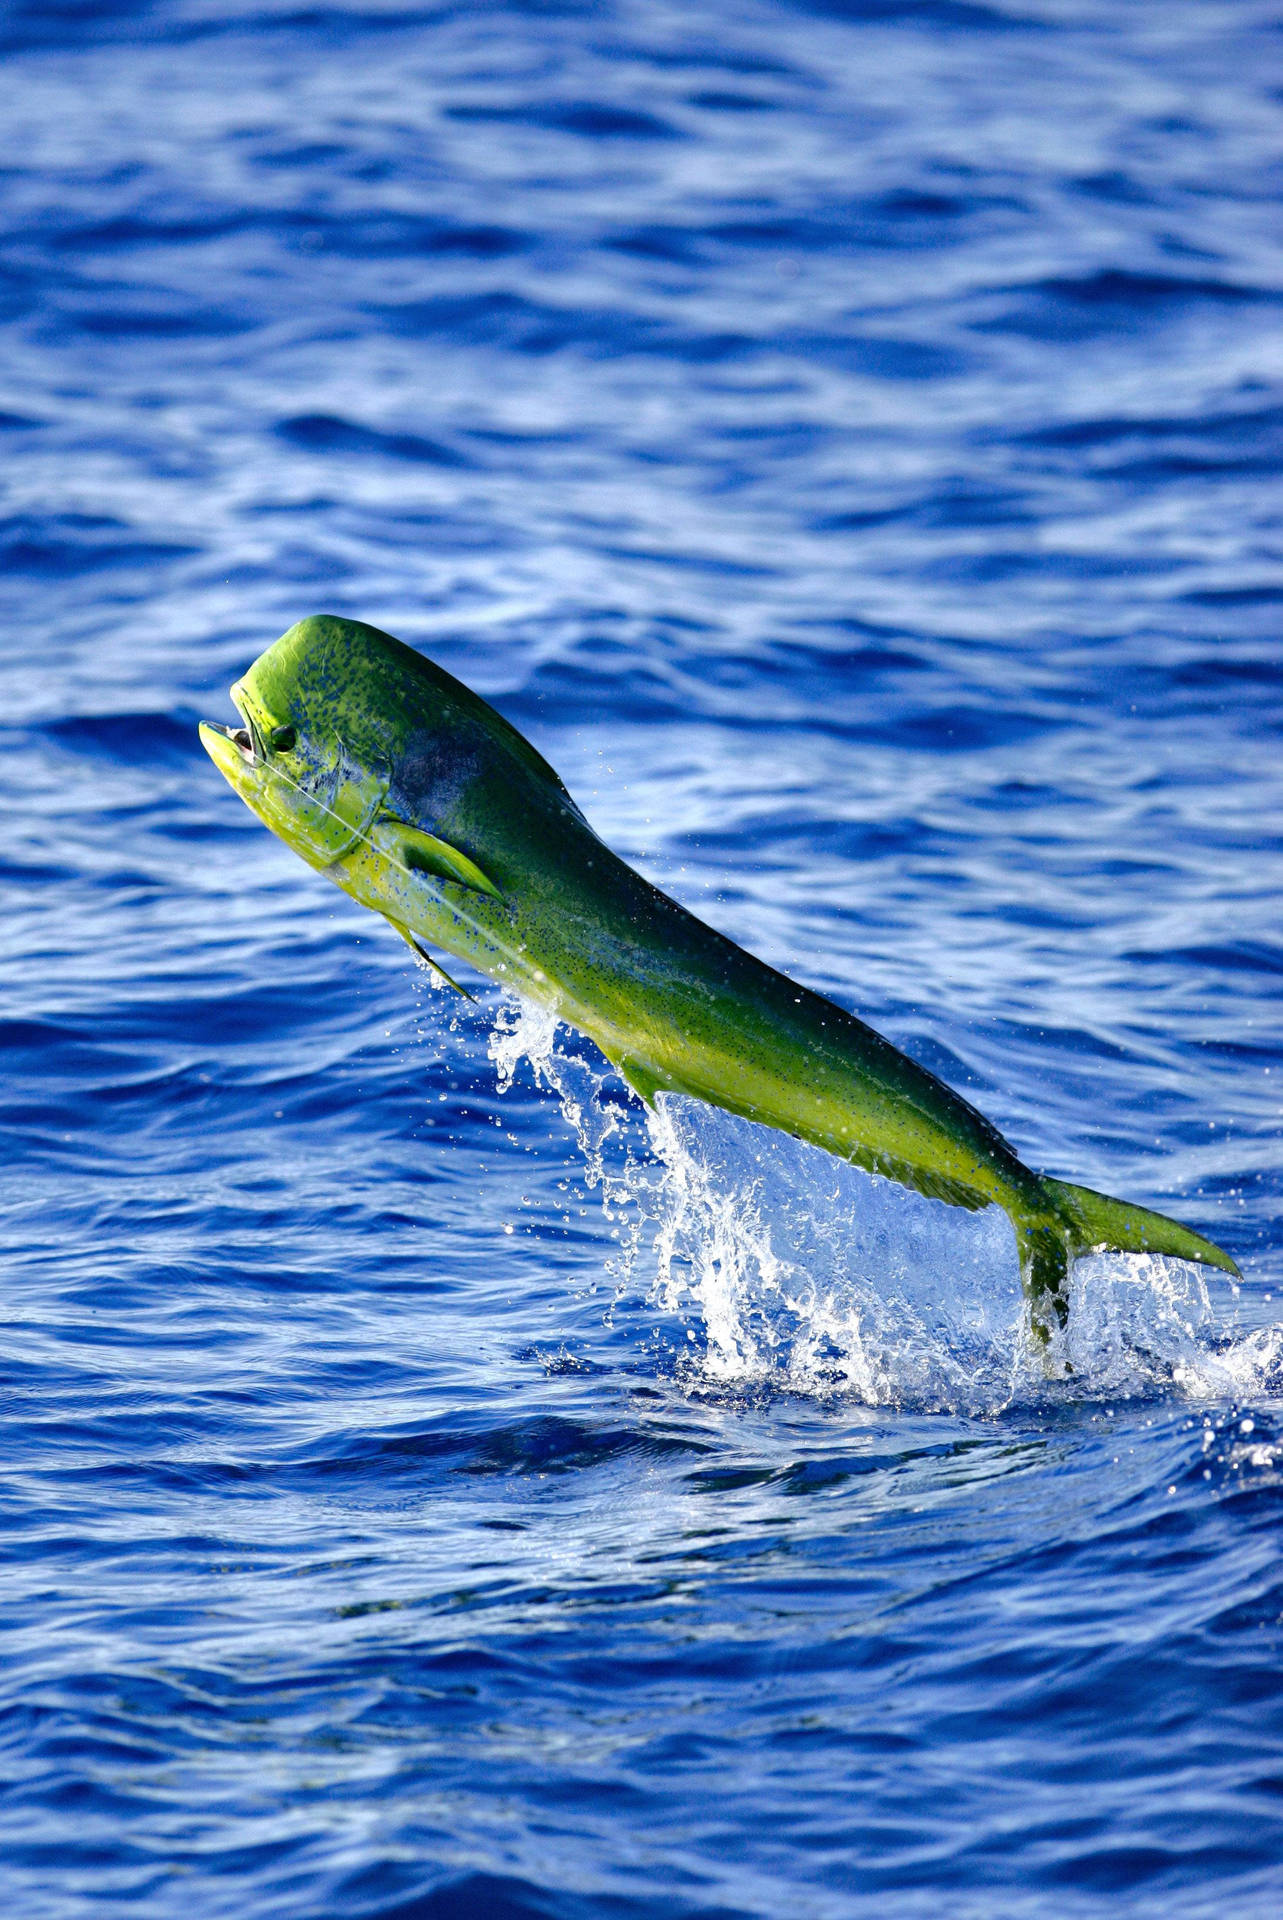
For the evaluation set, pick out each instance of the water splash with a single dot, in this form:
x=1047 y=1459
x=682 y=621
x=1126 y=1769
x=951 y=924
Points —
x=523 y=1031
x=794 y=1270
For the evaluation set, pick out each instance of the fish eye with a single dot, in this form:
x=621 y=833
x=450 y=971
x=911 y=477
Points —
x=281 y=739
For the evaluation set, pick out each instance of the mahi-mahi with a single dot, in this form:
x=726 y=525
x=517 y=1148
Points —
x=421 y=801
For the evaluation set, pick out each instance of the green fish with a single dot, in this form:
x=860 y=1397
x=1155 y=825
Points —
x=421 y=801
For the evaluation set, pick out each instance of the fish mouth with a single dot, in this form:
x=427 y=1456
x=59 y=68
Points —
x=231 y=748
x=240 y=737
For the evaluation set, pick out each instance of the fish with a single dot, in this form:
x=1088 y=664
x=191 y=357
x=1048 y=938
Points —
x=417 y=798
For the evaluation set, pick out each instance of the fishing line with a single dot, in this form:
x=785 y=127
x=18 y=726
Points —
x=411 y=873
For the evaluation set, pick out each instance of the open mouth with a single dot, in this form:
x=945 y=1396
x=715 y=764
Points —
x=243 y=737
x=240 y=737
x=246 y=735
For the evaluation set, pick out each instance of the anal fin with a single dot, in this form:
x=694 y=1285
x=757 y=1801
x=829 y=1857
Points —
x=427 y=958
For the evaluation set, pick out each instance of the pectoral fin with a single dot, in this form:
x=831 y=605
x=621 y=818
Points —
x=424 y=853
x=425 y=956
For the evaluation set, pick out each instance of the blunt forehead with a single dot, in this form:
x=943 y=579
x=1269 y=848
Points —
x=348 y=675
x=340 y=679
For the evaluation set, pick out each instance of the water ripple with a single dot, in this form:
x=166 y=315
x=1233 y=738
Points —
x=841 y=434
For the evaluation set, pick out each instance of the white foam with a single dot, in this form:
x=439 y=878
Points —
x=796 y=1271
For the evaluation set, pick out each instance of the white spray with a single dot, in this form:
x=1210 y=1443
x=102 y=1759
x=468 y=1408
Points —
x=797 y=1271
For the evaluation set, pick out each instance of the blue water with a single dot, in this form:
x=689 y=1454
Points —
x=845 y=437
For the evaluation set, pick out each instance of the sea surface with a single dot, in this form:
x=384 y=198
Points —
x=845 y=436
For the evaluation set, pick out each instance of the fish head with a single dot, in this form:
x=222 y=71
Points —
x=317 y=736
x=409 y=790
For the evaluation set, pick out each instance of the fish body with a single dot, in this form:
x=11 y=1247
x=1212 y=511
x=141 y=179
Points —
x=421 y=801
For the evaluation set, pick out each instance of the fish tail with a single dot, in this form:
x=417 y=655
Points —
x=1099 y=1223
x=1046 y=1251
x=1087 y=1222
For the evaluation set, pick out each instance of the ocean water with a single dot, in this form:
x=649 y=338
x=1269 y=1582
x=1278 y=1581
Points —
x=845 y=437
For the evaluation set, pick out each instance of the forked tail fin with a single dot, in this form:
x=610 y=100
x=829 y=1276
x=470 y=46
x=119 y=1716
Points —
x=1046 y=1249
x=1119 y=1227
x=1087 y=1222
